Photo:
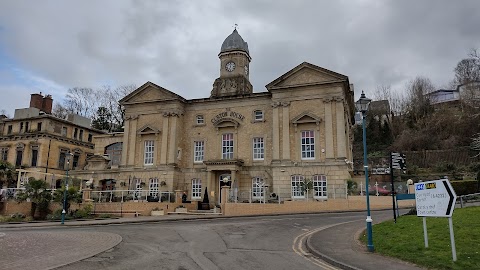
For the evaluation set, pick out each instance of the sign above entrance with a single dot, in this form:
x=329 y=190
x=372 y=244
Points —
x=226 y=115
x=435 y=198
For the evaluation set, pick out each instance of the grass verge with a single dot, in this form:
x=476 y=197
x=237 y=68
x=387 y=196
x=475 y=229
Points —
x=404 y=240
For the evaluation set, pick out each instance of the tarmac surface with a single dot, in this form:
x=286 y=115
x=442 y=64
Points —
x=337 y=245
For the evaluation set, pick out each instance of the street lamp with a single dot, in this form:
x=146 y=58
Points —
x=66 y=188
x=362 y=106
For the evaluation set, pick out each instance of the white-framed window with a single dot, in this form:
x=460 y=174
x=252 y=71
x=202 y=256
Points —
x=258 y=148
x=297 y=189
x=149 y=150
x=227 y=146
x=153 y=187
x=198 y=151
x=258 y=115
x=308 y=144
x=196 y=188
x=319 y=186
x=257 y=187
x=200 y=120
x=137 y=194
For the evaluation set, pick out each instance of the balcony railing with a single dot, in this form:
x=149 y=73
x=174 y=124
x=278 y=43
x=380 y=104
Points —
x=132 y=195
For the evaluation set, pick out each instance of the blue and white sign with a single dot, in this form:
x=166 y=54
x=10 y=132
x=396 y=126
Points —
x=435 y=198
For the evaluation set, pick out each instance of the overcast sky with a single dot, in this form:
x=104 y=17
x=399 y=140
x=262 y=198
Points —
x=55 y=45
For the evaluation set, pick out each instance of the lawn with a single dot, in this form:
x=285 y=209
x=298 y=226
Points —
x=404 y=240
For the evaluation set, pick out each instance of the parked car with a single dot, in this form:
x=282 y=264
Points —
x=381 y=191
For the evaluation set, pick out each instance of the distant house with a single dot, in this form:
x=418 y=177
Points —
x=443 y=96
x=38 y=143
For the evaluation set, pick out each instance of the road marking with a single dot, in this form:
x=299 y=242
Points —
x=299 y=241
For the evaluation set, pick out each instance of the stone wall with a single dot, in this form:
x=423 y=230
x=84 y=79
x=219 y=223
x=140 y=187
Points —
x=354 y=203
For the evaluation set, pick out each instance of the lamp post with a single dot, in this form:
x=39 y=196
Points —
x=362 y=106
x=66 y=188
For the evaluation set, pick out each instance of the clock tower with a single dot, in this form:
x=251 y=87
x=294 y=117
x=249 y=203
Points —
x=234 y=68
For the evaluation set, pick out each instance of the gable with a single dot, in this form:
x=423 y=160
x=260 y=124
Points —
x=149 y=92
x=306 y=117
x=306 y=74
x=147 y=129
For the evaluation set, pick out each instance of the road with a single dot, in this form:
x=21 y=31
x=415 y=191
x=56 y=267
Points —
x=275 y=242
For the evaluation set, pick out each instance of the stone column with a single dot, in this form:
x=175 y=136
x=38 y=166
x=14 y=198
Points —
x=211 y=186
x=328 y=129
x=126 y=135
x=341 y=136
x=286 y=130
x=163 y=149
x=132 y=142
x=276 y=135
x=172 y=149
x=224 y=195
x=86 y=195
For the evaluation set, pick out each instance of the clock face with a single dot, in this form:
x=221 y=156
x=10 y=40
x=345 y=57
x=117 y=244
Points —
x=246 y=70
x=230 y=66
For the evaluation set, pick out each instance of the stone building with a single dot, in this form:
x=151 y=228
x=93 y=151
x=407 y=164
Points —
x=292 y=140
x=40 y=144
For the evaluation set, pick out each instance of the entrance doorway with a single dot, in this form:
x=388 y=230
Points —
x=223 y=183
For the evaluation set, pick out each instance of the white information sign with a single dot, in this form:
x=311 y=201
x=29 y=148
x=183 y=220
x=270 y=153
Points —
x=435 y=198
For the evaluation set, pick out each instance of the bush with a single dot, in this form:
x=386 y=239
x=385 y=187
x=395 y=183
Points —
x=352 y=186
x=465 y=187
x=84 y=212
x=411 y=212
x=56 y=215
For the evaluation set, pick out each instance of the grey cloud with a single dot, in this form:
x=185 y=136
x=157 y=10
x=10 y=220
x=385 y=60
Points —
x=175 y=43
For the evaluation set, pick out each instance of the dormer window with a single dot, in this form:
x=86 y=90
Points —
x=258 y=115
x=200 y=120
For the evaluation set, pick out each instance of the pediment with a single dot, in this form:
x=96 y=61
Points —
x=306 y=117
x=306 y=74
x=150 y=92
x=147 y=129
x=226 y=122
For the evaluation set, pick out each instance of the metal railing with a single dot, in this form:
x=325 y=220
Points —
x=471 y=199
x=131 y=195
x=10 y=194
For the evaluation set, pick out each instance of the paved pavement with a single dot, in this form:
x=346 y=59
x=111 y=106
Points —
x=336 y=245
x=339 y=246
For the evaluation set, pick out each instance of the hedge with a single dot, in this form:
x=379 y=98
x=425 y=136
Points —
x=465 y=187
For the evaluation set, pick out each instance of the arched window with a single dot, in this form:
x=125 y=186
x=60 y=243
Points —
x=114 y=152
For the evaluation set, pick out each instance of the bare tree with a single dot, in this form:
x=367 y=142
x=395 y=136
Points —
x=395 y=99
x=82 y=101
x=91 y=103
x=418 y=102
x=60 y=111
x=467 y=70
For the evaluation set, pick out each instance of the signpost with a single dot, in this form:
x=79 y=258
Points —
x=397 y=161
x=436 y=199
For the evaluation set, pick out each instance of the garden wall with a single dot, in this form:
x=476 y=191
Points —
x=353 y=203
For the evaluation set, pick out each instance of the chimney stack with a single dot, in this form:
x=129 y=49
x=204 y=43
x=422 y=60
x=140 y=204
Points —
x=36 y=101
x=47 y=104
x=44 y=104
